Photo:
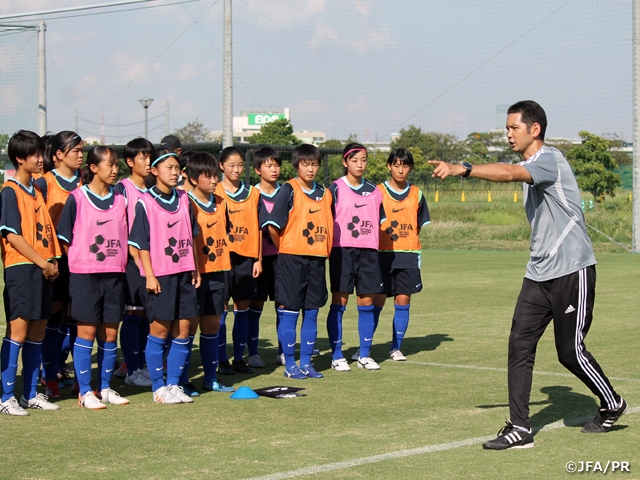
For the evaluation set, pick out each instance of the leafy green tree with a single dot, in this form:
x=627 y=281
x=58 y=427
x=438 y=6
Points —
x=593 y=164
x=433 y=145
x=4 y=141
x=192 y=132
x=487 y=147
x=278 y=132
x=332 y=143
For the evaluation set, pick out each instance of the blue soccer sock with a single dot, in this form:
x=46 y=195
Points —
x=334 y=329
x=277 y=325
x=176 y=359
x=106 y=362
x=63 y=345
x=129 y=342
x=184 y=376
x=82 y=362
x=50 y=350
x=287 y=335
x=143 y=333
x=155 y=360
x=308 y=334
x=72 y=328
x=209 y=355
x=376 y=317
x=222 y=338
x=9 y=364
x=31 y=358
x=365 y=329
x=240 y=332
x=254 y=330
x=400 y=325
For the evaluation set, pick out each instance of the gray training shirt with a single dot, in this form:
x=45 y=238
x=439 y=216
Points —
x=559 y=241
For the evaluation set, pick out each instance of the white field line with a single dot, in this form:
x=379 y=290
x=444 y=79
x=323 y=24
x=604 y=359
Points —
x=354 y=462
x=504 y=370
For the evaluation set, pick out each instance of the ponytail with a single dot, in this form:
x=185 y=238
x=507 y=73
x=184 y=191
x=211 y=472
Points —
x=96 y=156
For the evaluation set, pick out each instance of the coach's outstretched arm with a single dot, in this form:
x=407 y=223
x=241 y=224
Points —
x=493 y=172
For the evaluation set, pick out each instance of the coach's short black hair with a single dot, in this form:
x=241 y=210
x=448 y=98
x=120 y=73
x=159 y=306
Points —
x=530 y=113
x=305 y=152
x=401 y=155
x=199 y=163
x=263 y=154
x=229 y=152
x=23 y=144
x=136 y=146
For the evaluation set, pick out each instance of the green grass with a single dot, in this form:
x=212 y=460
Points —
x=461 y=318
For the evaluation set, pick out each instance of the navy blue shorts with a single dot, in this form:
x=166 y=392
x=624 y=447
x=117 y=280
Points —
x=176 y=300
x=401 y=281
x=240 y=282
x=359 y=268
x=267 y=279
x=134 y=284
x=97 y=297
x=26 y=293
x=301 y=282
x=61 y=284
x=212 y=294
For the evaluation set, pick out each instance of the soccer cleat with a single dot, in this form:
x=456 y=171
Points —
x=604 y=419
x=280 y=359
x=255 y=361
x=340 y=365
x=12 y=407
x=122 y=371
x=90 y=401
x=53 y=389
x=294 y=372
x=64 y=378
x=396 y=355
x=179 y=393
x=356 y=356
x=510 y=437
x=164 y=395
x=145 y=371
x=368 y=363
x=311 y=372
x=225 y=368
x=217 y=386
x=39 y=402
x=241 y=367
x=190 y=390
x=137 y=379
x=108 y=395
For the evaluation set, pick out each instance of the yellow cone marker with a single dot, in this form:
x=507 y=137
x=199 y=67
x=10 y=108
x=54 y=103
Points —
x=515 y=196
x=463 y=199
x=489 y=197
x=437 y=196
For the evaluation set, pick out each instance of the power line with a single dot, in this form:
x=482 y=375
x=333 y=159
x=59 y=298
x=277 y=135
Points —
x=119 y=124
x=72 y=9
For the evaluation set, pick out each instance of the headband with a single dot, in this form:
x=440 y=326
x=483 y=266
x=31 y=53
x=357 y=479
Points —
x=170 y=154
x=354 y=150
x=64 y=145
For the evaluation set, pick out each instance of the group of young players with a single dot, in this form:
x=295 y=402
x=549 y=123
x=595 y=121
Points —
x=83 y=255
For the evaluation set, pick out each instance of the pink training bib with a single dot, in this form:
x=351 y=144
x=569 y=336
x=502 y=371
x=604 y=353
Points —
x=133 y=195
x=357 y=221
x=99 y=243
x=171 y=242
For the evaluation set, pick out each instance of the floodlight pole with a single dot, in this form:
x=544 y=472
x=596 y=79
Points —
x=636 y=127
x=146 y=102
x=227 y=85
x=42 y=79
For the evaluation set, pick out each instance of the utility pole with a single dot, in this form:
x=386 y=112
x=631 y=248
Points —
x=636 y=126
x=227 y=86
x=42 y=79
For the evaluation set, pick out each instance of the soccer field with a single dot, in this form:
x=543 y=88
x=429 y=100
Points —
x=424 y=418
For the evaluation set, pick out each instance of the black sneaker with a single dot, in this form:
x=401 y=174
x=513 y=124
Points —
x=510 y=437
x=241 y=367
x=604 y=419
x=225 y=368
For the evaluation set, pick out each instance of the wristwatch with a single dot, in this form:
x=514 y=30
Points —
x=468 y=167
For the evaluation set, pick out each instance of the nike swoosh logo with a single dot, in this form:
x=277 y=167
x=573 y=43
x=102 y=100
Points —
x=337 y=341
x=359 y=206
x=394 y=210
x=418 y=285
x=47 y=363
x=310 y=343
x=209 y=225
x=254 y=338
x=99 y=223
x=291 y=344
x=109 y=370
x=171 y=225
x=135 y=353
x=83 y=371
x=231 y=212
x=158 y=369
x=37 y=209
x=214 y=362
x=368 y=339
x=242 y=345
x=399 y=333
x=10 y=383
x=314 y=211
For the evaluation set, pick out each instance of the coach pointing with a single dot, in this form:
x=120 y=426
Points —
x=561 y=276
